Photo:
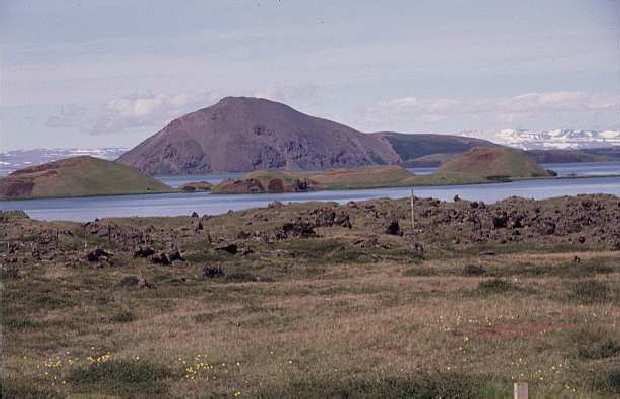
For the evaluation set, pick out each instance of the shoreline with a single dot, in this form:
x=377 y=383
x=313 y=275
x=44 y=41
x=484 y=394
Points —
x=436 y=184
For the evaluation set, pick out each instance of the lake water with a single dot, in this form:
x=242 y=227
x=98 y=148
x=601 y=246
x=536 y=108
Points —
x=564 y=169
x=174 y=204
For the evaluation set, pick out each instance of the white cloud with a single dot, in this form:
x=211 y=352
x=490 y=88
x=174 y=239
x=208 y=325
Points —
x=559 y=107
x=134 y=112
x=140 y=112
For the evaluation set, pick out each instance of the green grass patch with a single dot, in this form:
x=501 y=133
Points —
x=425 y=386
x=121 y=377
x=609 y=380
x=594 y=342
x=123 y=316
x=496 y=286
x=590 y=292
x=11 y=389
x=20 y=323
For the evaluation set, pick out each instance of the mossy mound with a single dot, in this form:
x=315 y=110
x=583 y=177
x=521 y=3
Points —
x=79 y=176
x=492 y=164
x=372 y=176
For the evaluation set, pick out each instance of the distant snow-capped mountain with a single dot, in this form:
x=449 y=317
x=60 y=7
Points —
x=529 y=139
x=17 y=159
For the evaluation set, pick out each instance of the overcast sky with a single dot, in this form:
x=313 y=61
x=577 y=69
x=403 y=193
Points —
x=111 y=73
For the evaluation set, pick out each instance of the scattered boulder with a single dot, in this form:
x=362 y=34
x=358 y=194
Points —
x=209 y=272
x=298 y=229
x=161 y=259
x=230 y=248
x=175 y=255
x=500 y=220
x=143 y=252
x=473 y=270
x=393 y=228
x=97 y=255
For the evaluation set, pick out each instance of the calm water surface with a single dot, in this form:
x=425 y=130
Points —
x=174 y=204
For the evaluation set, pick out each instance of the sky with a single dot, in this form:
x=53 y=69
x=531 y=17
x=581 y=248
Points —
x=97 y=73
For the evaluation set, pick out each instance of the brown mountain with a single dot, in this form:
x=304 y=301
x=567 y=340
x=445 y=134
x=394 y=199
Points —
x=244 y=134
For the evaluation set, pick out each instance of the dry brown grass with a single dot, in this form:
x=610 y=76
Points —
x=353 y=321
x=331 y=320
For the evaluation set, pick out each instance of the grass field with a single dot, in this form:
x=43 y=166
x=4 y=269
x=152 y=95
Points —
x=310 y=317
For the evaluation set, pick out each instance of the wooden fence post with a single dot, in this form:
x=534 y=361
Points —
x=521 y=391
x=412 y=220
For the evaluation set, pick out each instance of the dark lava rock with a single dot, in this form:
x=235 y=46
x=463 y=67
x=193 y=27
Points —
x=326 y=217
x=230 y=248
x=161 y=259
x=474 y=270
x=393 y=228
x=97 y=255
x=143 y=252
x=457 y=198
x=209 y=272
x=298 y=229
x=500 y=220
x=175 y=255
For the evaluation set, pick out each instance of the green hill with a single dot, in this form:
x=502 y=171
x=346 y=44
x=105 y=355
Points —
x=490 y=164
x=367 y=177
x=79 y=176
x=274 y=181
x=414 y=147
x=477 y=165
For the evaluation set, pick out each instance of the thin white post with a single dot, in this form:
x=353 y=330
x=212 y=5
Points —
x=412 y=222
x=521 y=391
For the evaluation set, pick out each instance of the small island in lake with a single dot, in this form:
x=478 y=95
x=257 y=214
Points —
x=478 y=165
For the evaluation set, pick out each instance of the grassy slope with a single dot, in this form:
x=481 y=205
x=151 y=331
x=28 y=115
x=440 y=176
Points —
x=374 y=176
x=412 y=146
x=478 y=165
x=486 y=162
x=87 y=176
